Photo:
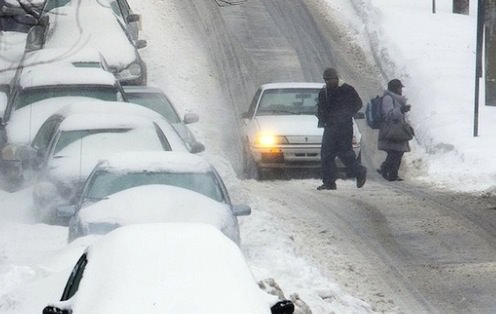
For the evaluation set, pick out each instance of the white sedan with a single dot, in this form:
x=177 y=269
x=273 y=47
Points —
x=171 y=268
x=280 y=128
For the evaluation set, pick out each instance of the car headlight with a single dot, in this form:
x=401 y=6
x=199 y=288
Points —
x=267 y=140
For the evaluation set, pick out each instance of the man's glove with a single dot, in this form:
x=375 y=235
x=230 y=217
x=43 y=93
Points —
x=405 y=108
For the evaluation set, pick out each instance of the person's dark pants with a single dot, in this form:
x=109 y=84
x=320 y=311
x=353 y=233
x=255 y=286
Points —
x=391 y=165
x=337 y=142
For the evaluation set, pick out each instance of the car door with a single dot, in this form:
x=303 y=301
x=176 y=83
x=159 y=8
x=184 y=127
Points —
x=72 y=284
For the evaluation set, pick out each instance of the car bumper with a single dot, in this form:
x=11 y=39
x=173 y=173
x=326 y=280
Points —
x=296 y=156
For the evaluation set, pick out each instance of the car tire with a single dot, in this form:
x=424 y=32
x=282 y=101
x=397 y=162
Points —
x=250 y=168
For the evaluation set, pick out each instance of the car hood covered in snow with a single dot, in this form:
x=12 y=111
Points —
x=157 y=203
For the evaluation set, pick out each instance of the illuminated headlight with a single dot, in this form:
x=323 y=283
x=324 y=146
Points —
x=133 y=70
x=270 y=140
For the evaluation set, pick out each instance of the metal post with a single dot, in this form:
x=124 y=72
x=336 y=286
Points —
x=461 y=6
x=433 y=6
x=478 y=62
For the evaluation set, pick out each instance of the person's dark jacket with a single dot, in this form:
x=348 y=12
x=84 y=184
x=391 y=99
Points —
x=338 y=107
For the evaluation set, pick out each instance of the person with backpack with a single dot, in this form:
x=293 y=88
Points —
x=337 y=103
x=393 y=109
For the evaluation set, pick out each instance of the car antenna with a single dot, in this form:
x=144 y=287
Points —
x=30 y=122
x=81 y=157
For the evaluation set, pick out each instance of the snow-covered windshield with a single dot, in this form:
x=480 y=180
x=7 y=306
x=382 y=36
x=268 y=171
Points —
x=109 y=140
x=31 y=95
x=104 y=183
x=288 y=101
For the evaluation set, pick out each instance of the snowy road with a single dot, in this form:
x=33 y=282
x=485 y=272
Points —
x=400 y=247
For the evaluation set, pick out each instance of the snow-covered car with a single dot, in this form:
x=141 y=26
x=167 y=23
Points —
x=155 y=99
x=173 y=268
x=32 y=128
x=106 y=186
x=61 y=79
x=153 y=203
x=20 y=15
x=77 y=144
x=72 y=24
x=280 y=128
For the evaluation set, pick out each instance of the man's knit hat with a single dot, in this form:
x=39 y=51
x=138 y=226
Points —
x=330 y=73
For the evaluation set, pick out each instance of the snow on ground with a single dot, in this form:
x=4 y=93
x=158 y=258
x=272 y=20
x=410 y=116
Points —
x=433 y=54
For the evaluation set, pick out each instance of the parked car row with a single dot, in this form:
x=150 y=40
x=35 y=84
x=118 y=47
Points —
x=103 y=151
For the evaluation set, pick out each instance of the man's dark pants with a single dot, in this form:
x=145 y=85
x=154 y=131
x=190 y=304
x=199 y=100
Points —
x=337 y=142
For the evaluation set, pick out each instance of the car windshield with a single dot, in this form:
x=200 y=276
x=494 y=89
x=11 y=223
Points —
x=156 y=102
x=112 y=140
x=288 y=101
x=34 y=94
x=104 y=183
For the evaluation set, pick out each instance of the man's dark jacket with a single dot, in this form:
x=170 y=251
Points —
x=337 y=107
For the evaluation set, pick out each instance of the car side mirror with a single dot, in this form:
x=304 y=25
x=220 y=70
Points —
x=50 y=309
x=241 y=210
x=140 y=43
x=190 y=118
x=281 y=307
x=66 y=211
x=44 y=20
x=131 y=18
x=196 y=147
x=245 y=115
x=359 y=115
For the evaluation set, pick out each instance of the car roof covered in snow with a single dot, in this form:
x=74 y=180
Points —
x=175 y=268
x=67 y=55
x=155 y=162
x=64 y=74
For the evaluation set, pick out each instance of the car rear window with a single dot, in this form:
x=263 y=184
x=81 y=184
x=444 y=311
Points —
x=31 y=95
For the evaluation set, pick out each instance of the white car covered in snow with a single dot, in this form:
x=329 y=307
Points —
x=137 y=187
x=72 y=24
x=173 y=268
x=280 y=128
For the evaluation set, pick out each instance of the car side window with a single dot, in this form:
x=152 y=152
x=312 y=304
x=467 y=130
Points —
x=72 y=285
x=116 y=9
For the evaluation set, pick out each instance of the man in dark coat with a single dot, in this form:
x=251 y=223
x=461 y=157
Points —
x=338 y=103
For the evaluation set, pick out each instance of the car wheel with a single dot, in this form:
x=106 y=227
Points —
x=250 y=168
